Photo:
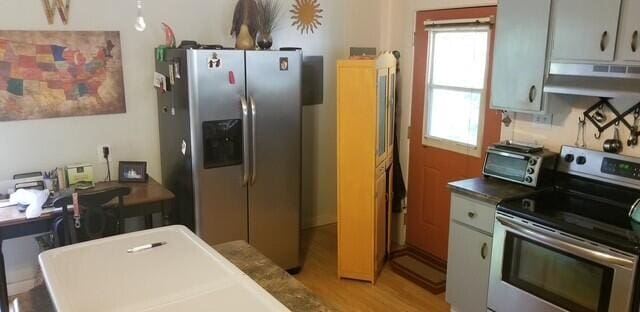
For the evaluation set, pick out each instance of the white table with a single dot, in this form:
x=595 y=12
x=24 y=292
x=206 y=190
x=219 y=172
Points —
x=186 y=274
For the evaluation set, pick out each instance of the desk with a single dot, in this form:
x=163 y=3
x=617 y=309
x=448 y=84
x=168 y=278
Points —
x=144 y=200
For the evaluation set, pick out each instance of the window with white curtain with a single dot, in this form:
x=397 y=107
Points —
x=456 y=88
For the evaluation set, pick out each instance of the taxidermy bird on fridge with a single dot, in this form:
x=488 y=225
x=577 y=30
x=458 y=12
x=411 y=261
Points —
x=245 y=24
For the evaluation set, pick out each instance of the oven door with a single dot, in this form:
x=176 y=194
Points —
x=534 y=268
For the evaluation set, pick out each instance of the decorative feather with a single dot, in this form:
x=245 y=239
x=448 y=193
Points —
x=269 y=14
x=245 y=13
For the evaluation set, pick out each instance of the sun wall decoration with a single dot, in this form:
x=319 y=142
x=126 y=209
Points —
x=306 y=15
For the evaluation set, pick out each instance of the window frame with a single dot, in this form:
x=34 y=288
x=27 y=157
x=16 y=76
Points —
x=442 y=143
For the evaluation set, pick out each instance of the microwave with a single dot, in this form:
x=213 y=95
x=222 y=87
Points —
x=527 y=168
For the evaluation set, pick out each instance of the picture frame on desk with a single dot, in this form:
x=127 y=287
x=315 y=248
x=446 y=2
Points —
x=132 y=171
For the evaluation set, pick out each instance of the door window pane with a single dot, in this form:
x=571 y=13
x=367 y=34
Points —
x=456 y=84
x=567 y=281
x=455 y=115
x=460 y=58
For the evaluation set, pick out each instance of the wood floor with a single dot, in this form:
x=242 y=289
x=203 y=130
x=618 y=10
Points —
x=390 y=293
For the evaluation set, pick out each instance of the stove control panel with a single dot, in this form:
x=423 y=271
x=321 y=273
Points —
x=621 y=168
x=612 y=168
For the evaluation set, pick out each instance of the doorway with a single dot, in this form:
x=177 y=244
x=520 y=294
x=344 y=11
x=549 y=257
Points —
x=452 y=124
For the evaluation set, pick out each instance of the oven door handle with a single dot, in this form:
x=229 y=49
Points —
x=558 y=242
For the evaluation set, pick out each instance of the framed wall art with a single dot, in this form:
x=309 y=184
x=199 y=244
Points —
x=49 y=74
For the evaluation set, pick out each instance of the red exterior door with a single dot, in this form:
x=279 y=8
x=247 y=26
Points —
x=431 y=169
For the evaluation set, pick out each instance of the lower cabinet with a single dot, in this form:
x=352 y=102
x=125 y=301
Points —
x=469 y=260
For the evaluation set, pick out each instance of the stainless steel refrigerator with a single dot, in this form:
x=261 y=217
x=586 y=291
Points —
x=230 y=136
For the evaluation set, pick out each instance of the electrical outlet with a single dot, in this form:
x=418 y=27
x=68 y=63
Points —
x=101 y=148
x=542 y=121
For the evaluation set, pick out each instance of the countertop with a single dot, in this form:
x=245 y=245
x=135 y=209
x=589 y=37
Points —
x=490 y=190
x=269 y=276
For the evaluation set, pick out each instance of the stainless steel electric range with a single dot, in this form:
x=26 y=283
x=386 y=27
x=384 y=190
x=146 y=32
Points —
x=573 y=246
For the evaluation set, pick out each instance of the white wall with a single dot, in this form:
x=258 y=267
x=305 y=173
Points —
x=564 y=129
x=45 y=144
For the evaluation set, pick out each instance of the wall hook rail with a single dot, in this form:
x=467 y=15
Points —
x=620 y=118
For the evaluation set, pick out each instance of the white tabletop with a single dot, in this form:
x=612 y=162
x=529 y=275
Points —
x=186 y=274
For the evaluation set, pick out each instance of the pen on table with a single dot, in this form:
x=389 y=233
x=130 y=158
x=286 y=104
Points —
x=145 y=247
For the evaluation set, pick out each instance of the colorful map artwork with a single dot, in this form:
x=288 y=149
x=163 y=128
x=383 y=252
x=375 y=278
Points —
x=48 y=74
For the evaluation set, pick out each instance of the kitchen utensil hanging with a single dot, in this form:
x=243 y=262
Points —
x=633 y=132
x=600 y=115
x=580 y=139
x=614 y=145
x=618 y=117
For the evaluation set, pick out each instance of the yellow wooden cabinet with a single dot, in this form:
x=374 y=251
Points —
x=365 y=111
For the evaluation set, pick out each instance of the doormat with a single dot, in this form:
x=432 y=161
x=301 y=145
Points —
x=420 y=268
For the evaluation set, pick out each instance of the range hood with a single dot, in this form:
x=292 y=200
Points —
x=597 y=80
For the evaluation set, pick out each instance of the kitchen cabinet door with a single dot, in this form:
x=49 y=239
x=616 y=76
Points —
x=585 y=30
x=520 y=55
x=468 y=268
x=381 y=219
x=628 y=40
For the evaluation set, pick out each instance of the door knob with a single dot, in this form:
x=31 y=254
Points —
x=471 y=214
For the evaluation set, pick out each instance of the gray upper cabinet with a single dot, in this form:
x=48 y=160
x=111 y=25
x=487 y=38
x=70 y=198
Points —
x=585 y=30
x=520 y=55
x=628 y=41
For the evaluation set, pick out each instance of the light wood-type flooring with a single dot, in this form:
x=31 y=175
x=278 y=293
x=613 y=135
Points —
x=390 y=293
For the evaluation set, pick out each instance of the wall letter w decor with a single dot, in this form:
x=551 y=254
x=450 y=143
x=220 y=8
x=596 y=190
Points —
x=53 y=6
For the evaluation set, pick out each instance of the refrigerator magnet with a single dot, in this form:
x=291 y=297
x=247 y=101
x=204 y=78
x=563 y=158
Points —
x=176 y=68
x=172 y=79
x=160 y=81
x=284 y=64
x=213 y=62
x=232 y=78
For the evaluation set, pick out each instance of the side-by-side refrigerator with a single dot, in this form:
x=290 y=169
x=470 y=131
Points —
x=230 y=136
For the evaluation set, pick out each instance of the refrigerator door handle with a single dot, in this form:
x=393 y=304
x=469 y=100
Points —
x=245 y=141
x=254 y=168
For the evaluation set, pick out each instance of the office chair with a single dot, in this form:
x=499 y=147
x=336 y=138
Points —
x=100 y=216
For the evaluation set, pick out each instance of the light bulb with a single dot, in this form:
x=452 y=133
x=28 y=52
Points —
x=140 y=24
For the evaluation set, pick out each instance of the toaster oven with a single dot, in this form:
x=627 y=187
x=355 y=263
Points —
x=530 y=168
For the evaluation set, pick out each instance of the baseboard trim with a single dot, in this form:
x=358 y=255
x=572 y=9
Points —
x=319 y=221
x=20 y=287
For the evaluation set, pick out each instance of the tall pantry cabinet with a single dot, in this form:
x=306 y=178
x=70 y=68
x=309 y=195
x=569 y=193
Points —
x=365 y=137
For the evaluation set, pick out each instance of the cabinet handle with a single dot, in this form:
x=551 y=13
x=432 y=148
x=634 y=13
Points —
x=483 y=251
x=471 y=215
x=603 y=45
x=634 y=42
x=532 y=94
